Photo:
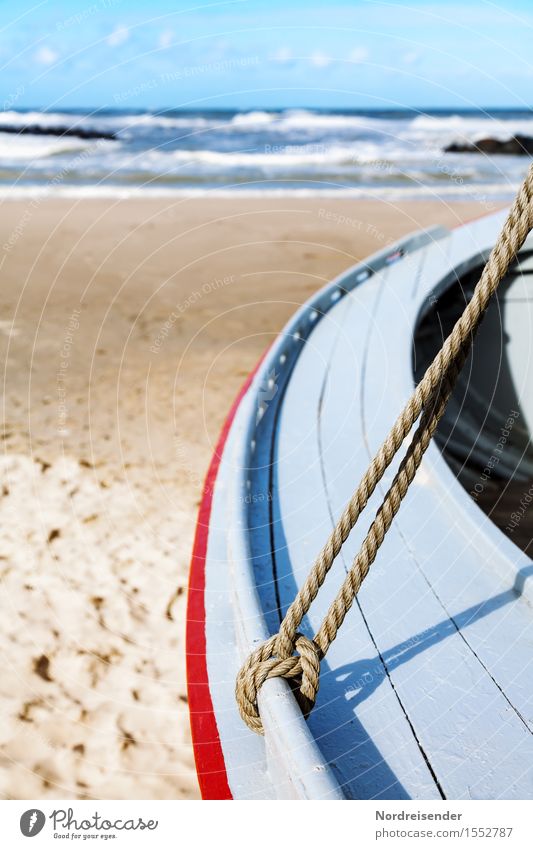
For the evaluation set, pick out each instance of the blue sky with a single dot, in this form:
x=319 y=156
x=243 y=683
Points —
x=277 y=53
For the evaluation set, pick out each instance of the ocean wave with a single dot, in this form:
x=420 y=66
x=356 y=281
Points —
x=368 y=157
x=252 y=119
x=443 y=128
x=21 y=119
x=356 y=163
x=98 y=122
x=298 y=146
x=32 y=148
x=497 y=192
x=129 y=122
x=471 y=128
x=288 y=156
x=292 y=120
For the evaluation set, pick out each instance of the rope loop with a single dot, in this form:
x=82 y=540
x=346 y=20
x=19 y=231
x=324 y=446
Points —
x=301 y=669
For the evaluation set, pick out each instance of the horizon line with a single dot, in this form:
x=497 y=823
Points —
x=420 y=109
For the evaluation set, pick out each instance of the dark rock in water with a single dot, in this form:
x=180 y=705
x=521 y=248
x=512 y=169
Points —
x=515 y=146
x=38 y=130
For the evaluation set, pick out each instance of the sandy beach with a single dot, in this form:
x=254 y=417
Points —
x=126 y=328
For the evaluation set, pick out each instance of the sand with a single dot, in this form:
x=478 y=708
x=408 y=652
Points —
x=126 y=329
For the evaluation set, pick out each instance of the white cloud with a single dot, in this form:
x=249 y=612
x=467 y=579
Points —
x=223 y=45
x=46 y=56
x=165 y=38
x=119 y=35
x=319 y=59
x=358 y=55
x=410 y=58
x=283 y=55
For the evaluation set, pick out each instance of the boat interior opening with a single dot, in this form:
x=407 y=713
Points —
x=485 y=433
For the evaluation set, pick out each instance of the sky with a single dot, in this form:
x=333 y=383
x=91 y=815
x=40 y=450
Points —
x=247 y=54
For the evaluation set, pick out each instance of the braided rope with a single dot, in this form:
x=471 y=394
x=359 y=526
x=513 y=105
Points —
x=288 y=654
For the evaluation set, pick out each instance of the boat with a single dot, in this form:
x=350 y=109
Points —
x=427 y=693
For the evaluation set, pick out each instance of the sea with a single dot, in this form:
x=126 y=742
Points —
x=385 y=154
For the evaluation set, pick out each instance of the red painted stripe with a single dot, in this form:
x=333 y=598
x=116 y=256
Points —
x=208 y=753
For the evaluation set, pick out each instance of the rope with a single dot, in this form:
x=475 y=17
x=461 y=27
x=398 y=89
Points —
x=288 y=654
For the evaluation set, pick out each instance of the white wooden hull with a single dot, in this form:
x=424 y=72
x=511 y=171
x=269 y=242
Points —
x=427 y=692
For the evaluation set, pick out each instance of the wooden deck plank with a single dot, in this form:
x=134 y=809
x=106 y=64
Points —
x=475 y=741
x=370 y=742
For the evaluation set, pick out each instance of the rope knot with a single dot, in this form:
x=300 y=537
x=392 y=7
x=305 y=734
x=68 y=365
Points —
x=301 y=669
